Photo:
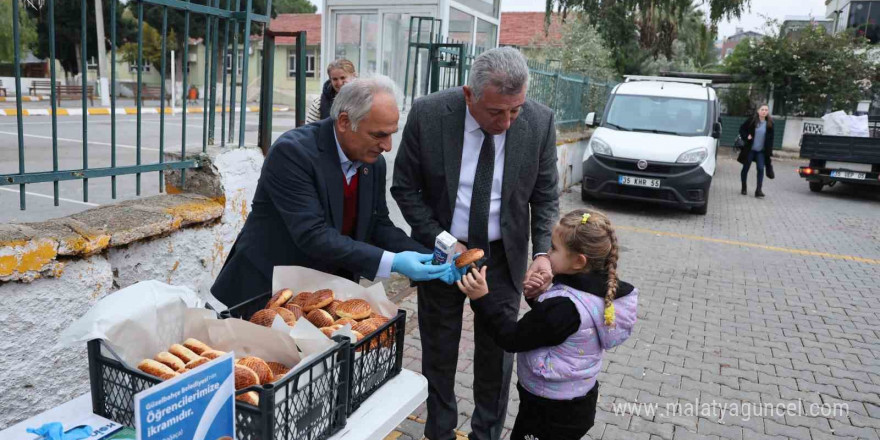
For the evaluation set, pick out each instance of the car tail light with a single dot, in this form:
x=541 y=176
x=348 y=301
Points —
x=807 y=171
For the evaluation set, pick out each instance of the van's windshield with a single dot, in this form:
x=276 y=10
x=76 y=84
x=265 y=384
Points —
x=656 y=114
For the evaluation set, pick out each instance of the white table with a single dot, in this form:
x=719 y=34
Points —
x=376 y=417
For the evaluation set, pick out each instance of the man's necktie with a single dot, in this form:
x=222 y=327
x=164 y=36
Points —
x=478 y=221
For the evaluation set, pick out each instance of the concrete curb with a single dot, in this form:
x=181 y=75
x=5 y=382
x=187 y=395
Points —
x=24 y=98
x=31 y=250
x=122 y=111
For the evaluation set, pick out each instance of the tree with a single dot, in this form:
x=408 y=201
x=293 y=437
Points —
x=292 y=7
x=633 y=27
x=811 y=73
x=152 y=47
x=67 y=31
x=27 y=31
x=584 y=51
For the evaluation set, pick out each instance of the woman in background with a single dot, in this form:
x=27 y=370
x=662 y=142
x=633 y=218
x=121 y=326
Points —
x=757 y=136
x=340 y=72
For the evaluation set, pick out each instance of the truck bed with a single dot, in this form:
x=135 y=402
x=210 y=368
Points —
x=840 y=148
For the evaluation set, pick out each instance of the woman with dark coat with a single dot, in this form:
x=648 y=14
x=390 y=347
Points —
x=757 y=135
x=340 y=72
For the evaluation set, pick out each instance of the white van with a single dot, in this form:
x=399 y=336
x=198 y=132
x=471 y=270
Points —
x=657 y=142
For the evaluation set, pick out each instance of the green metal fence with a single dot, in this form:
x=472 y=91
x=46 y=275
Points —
x=439 y=63
x=235 y=16
x=569 y=95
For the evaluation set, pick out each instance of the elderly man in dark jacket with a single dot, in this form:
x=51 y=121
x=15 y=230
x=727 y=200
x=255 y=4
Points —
x=320 y=202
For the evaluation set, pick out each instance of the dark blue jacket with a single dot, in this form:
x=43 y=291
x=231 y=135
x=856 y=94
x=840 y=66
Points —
x=296 y=218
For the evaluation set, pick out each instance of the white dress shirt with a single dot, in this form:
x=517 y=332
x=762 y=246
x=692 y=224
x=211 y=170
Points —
x=470 y=154
x=349 y=169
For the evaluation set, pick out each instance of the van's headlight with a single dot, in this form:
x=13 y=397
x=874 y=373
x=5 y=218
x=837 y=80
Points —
x=697 y=155
x=600 y=147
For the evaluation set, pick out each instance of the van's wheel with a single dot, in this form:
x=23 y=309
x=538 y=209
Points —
x=816 y=186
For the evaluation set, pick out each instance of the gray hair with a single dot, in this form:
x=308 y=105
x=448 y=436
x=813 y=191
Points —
x=502 y=67
x=356 y=98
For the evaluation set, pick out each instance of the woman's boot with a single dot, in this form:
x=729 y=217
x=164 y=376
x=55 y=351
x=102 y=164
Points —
x=758 y=193
x=745 y=190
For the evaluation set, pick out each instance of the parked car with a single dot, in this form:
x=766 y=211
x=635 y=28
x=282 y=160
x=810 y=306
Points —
x=657 y=141
x=833 y=159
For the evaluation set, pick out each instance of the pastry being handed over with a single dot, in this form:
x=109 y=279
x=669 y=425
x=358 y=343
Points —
x=469 y=257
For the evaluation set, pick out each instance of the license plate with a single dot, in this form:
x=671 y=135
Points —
x=848 y=175
x=638 y=181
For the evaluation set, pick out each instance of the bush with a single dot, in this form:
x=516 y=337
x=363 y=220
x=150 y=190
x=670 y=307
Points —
x=812 y=72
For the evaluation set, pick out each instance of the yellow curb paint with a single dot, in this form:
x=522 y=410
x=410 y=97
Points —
x=61 y=112
x=131 y=110
x=99 y=111
x=751 y=245
x=394 y=435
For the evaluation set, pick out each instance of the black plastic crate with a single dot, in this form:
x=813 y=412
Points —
x=310 y=404
x=374 y=360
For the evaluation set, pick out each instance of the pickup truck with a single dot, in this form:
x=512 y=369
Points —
x=851 y=160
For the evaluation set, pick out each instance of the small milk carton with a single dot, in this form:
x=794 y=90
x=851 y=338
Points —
x=444 y=248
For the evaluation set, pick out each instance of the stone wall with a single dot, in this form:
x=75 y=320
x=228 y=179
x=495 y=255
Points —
x=53 y=272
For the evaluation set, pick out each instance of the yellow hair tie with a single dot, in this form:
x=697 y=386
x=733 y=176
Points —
x=585 y=218
x=609 y=315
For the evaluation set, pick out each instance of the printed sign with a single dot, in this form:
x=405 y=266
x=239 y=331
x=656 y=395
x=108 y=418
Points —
x=198 y=405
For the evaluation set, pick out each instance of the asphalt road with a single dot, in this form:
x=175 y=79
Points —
x=38 y=157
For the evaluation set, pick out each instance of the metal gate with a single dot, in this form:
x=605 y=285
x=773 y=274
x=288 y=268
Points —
x=433 y=62
x=234 y=21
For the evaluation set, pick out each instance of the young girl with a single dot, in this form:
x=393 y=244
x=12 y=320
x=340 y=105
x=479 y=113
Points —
x=561 y=340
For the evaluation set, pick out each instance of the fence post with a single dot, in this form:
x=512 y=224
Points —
x=585 y=87
x=555 y=96
x=300 y=105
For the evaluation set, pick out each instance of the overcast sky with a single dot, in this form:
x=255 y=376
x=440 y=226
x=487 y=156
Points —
x=753 y=20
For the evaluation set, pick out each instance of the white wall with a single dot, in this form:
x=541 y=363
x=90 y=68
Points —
x=794 y=129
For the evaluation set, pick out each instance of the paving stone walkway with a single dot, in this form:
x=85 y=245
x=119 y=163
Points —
x=760 y=320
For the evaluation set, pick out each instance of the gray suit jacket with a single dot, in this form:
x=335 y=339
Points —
x=426 y=174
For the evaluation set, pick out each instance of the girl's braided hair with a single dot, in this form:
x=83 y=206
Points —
x=590 y=233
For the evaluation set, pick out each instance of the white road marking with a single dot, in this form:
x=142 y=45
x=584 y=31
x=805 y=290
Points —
x=50 y=197
x=118 y=145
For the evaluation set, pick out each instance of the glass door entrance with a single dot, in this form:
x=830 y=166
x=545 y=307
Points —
x=357 y=39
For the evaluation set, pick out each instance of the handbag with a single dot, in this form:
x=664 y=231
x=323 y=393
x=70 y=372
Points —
x=769 y=171
x=738 y=142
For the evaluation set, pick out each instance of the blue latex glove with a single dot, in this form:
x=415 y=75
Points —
x=417 y=267
x=54 y=431
x=452 y=275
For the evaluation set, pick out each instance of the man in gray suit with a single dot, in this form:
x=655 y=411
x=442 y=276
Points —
x=479 y=162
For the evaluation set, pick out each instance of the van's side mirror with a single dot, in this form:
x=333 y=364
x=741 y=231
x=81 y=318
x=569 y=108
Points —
x=716 y=130
x=590 y=120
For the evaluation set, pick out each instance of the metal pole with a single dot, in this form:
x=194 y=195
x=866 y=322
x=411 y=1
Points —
x=244 y=73
x=185 y=95
x=300 y=79
x=233 y=75
x=17 y=59
x=214 y=45
x=223 y=97
x=266 y=89
x=112 y=96
x=209 y=59
x=102 y=52
x=162 y=99
x=53 y=97
x=173 y=83
x=84 y=76
x=140 y=83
